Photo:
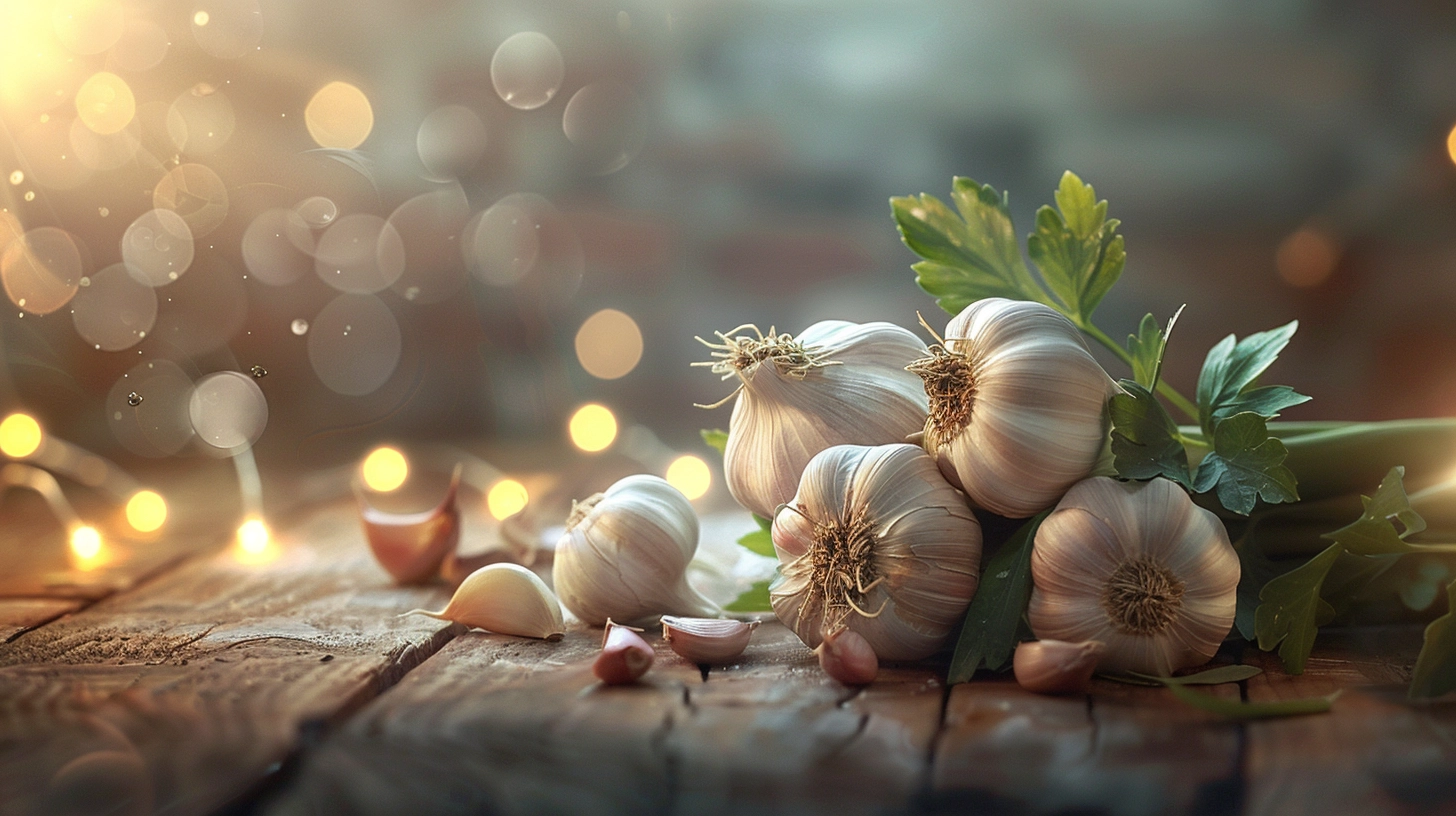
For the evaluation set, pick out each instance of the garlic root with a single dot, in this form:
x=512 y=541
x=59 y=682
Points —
x=1056 y=666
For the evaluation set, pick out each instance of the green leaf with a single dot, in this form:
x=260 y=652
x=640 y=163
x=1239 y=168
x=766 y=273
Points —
x=1374 y=533
x=760 y=540
x=1246 y=465
x=989 y=635
x=1435 y=672
x=1291 y=610
x=1255 y=570
x=1240 y=710
x=1266 y=401
x=1145 y=441
x=754 y=600
x=1147 y=347
x=1232 y=366
x=970 y=255
x=1077 y=248
x=716 y=439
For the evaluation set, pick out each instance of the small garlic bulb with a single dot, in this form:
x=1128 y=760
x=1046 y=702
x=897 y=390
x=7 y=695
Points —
x=507 y=599
x=1018 y=407
x=1139 y=567
x=836 y=383
x=625 y=554
x=876 y=541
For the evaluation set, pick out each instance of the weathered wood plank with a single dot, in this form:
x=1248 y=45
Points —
x=20 y=614
x=503 y=725
x=183 y=694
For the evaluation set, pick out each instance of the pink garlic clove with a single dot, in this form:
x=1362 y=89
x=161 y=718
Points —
x=412 y=546
x=707 y=640
x=1056 y=666
x=847 y=657
x=625 y=656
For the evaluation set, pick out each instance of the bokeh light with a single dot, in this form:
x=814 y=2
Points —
x=85 y=543
x=604 y=121
x=158 y=247
x=317 y=211
x=142 y=46
x=255 y=542
x=195 y=192
x=20 y=435
x=113 y=311
x=609 y=344
x=502 y=244
x=200 y=120
x=278 y=246
x=227 y=29
x=347 y=255
x=146 y=511
x=159 y=425
x=384 y=470
x=228 y=410
x=339 y=116
x=593 y=427
x=419 y=248
x=450 y=141
x=105 y=103
x=299 y=326
x=506 y=498
x=527 y=70
x=98 y=151
x=354 y=344
x=1307 y=258
x=690 y=475
x=42 y=271
x=88 y=26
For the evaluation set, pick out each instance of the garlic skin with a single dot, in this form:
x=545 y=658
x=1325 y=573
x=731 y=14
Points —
x=847 y=657
x=1137 y=566
x=412 y=546
x=1056 y=666
x=1018 y=406
x=625 y=554
x=506 y=599
x=625 y=656
x=707 y=640
x=836 y=383
x=878 y=541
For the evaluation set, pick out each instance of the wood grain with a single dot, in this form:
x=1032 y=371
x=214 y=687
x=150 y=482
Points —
x=20 y=614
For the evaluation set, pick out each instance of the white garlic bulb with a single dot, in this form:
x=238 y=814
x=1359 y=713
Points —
x=836 y=383
x=625 y=554
x=1139 y=567
x=1018 y=407
x=507 y=599
x=876 y=540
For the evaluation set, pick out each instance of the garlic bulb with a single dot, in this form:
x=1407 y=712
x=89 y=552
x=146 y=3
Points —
x=1018 y=407
x=506 y=599
x=1055 y=666
x=707 y=640
x=877 y=541
x=625 y=553
x=836 y=383
x=625 y=656
x=848 y=658
x=1139 y=567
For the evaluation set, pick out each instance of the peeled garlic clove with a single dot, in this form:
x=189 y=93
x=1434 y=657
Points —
x=836 y=383
x=1056 y=666
x=625 y=554
x=506 y=599
x=876 y=540
x=625 y=656
x=847 y=657
x=1139 y=567
x=1018 y=406
x=412 y=546
x=707 y=640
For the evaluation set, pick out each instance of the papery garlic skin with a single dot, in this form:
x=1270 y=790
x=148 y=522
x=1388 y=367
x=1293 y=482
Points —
x=1139 y=567
x=878 y=541
x=847 y=657
x=835 y=383
x=625 y=554
x=506 y=599
x=1056 y=666
x=1018 y=406
x=707 y=640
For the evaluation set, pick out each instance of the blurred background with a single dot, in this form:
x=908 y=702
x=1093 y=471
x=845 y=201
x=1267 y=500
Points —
x=442 y=220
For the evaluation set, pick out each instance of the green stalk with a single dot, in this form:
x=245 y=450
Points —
x=1179 y=401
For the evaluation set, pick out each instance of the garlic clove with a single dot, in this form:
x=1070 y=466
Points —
x=625 y=656
x=847 y=657
x=707 y=640
x=506 y=599
x=412 y=546
x=1056 y=666
x=625 y=552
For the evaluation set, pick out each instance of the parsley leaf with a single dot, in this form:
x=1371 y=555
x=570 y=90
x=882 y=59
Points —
x=968 y=256
x=1435 y=672
x=1145 y=441
x=755 y=599
x=759 y=541
x=994 y=616
x=1291 y=610
x=1246 y=465
x=1240 y=710
x=1229 y=371
x=1077 y=248
x=1374 y=533
x=1147 y=347
x=716 y=439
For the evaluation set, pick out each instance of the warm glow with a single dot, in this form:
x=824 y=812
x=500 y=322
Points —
x=146 y=511
x=85 y=543
x=201 y=18
x=609 y=344
x=593 y=428
x=690 y=475
x=253 y=536
x=105 y=103
x=1307 y=258
x=20 y=436
x=506 y=498
x=384 y=469
x=33 y=65
x=339 y=116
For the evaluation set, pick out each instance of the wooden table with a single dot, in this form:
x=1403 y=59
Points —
x=202 y=684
